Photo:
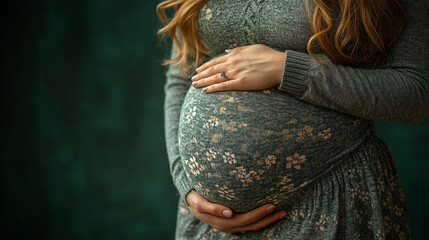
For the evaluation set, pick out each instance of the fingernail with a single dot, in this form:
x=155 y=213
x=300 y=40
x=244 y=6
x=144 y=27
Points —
x=193 y=77
x=205 y=89
x=283 y=215
x=270 y=208
x=228 y=50
x=198 y=68
x=194 y=83
x=227 y=213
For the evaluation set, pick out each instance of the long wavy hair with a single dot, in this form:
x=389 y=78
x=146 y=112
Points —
x=347 y=31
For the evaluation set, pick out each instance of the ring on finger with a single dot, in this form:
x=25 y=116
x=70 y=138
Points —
x=222 y=74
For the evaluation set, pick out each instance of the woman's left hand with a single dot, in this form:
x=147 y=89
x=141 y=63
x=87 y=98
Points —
x=253 y=67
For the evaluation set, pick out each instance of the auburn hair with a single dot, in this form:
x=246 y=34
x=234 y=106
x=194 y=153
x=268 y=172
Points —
x=347 y=31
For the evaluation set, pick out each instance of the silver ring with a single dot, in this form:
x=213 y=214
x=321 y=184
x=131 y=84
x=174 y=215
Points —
x=222 y=74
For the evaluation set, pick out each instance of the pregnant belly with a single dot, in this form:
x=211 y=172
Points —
x=244 y=149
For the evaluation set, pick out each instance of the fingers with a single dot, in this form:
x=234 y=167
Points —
x=254 y=215
x=210 y=73
x=222 y=218
x=212 y=63
x=223 y=86
x=217 y=78
x=213 y=71
x=219 y=210
x=263 y=222
x=257 y=218
x=214 y=209
x=250 y=221
x=202 y=205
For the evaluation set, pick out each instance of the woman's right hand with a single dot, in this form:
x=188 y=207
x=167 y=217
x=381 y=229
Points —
x=222 y=218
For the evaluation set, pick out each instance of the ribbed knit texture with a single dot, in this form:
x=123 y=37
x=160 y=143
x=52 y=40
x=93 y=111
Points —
x=294 y=75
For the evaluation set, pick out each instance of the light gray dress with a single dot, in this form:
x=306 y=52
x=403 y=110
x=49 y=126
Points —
x=308 y=146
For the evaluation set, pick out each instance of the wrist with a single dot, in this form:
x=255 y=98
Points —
x=280 y=67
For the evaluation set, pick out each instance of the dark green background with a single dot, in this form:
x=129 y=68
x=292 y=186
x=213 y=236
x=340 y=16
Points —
x=83 y=154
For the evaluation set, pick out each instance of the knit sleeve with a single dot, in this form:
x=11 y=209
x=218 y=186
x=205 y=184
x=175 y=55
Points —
x=398 y=91
x=175 y=89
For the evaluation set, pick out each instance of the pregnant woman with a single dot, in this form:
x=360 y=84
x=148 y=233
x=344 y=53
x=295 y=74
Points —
x=270 y=109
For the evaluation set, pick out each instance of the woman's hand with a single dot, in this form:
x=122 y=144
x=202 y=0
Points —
x=222 y=218
x=253 y=67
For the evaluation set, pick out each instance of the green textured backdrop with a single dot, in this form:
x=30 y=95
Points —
x=82 y=151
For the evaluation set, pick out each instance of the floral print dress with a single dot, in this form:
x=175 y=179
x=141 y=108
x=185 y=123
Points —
x=322 y=162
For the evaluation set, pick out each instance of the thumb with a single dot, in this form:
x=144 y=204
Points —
x=220 y=210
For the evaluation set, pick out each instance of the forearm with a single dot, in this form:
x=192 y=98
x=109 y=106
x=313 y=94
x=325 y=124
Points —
x=172 y=113
x=175 y=89
x=390 y=94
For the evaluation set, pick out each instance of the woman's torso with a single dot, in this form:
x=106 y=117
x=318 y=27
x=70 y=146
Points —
x=247 y=148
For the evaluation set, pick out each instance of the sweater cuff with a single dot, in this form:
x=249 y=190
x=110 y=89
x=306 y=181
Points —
x=183 y=185
x=294 y=75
